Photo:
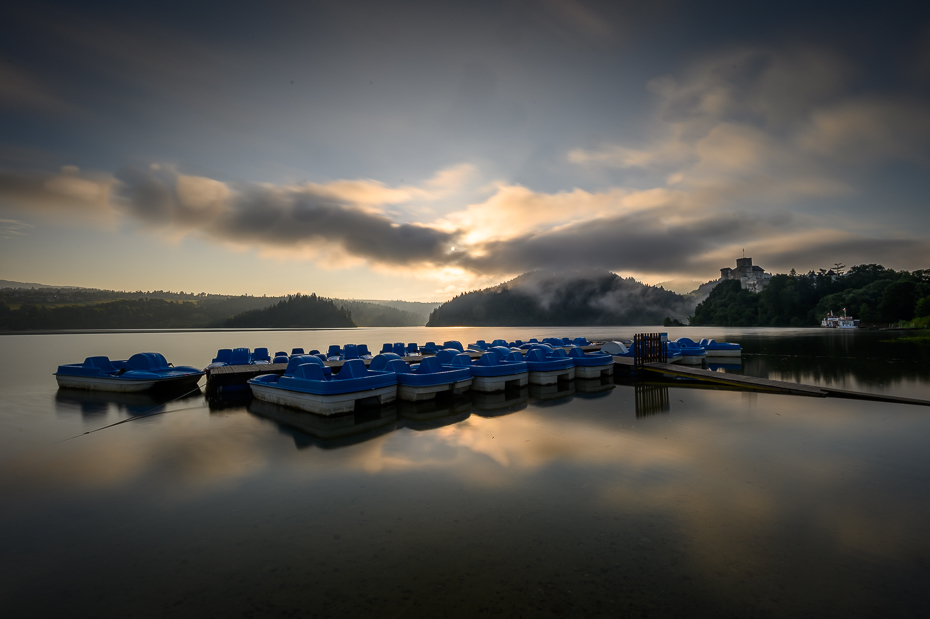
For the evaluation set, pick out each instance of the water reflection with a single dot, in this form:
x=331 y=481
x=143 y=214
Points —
x=870 y=361
x=555 y=394
x=731 y=365
x=431 y=414
x=651 y=400
x=334 y=430
x=590 y=388
x=97 y=404
x=500 y=403
x=740 y=504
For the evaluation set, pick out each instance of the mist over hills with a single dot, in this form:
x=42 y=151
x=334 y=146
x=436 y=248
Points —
x=570 y=297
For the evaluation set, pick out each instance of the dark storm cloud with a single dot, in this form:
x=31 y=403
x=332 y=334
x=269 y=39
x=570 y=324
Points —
x=641 y=242
x=276 y=217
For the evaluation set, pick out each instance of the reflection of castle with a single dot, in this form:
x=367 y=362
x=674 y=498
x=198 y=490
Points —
x=752 y=278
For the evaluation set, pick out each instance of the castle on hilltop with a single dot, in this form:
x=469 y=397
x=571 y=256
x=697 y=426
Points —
x=751 y=278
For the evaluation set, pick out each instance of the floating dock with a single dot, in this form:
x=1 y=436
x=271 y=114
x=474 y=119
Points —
x=231 y=379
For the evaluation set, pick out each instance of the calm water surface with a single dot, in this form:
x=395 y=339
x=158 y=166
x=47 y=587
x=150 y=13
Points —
x=634 y=499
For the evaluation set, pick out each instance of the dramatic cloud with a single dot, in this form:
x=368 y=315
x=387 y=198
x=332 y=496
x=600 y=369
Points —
x=754 y=148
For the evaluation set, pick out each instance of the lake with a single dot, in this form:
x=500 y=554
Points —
x=627 y=499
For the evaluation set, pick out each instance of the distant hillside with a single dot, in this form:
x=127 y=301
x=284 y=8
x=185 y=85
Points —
x=542 y=298
x=375 y=314
x=703 y=291
x=420 y=308
x=5 y=283
x=211 y=309
x=295 y=311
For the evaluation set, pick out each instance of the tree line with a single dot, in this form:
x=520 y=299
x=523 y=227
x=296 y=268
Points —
x=292 y=311
x=870 y=292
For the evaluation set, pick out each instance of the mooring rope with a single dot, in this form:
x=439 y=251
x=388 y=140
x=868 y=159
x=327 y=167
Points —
x=147 y=413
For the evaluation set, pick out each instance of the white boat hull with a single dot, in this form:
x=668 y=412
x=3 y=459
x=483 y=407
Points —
x=323 y=404
x=410 y=393
x=594 y=371
x=121 y=385
x=490 y=384
x=551 y=377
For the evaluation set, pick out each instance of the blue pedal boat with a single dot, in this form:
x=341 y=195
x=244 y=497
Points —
x=141 y=372
x=691 y=351
x=548 y=368
x=591 y=365
x=307 y=385
x=490 y=373
x=426 y=379
x=713 y=348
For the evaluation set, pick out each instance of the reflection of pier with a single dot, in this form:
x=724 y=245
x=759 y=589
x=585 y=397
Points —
x=748 y=383
x=651 y=399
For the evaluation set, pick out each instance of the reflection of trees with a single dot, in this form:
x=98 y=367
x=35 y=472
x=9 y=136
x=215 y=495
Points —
x=831 y=357
x=651 y=399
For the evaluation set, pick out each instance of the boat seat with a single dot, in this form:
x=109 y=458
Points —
x=387 y=347
x=350 y=351
x=240 y=356
x=398 y=366
x=223 y=355
x=500 y=351
x=310 y=371
x=299 y=360
x=413 y=349
x=446 y=356
x=580 y=341
x=488 y=359
x=354 y=368
x=537 y=354
x=147 y=361
x=454 y=344
x=100 y=363
x=399 y=349
x=560 y=353
x=297 y=351
x=334 y=351
x=380 y=361
x=566 y=341
x=260 y=354
x=463 y=361
x=280 y=359
x=430 y=365
x=363 y=350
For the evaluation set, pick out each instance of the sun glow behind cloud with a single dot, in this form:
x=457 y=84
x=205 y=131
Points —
x=745 y=146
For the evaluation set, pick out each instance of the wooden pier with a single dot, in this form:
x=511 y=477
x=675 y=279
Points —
x=750 y=383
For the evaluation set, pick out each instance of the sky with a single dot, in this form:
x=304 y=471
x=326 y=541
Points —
x=416 y=150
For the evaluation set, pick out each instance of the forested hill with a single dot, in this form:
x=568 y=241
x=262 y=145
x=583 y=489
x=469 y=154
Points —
x=295 y=311
x=542 y=298
x=86 y=308
x=869 y=292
